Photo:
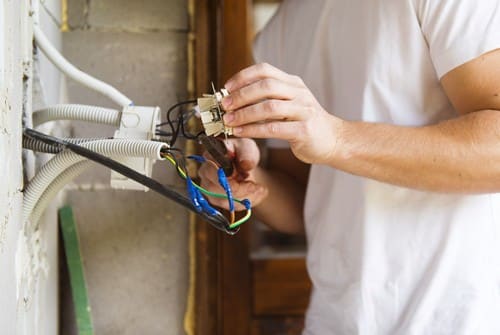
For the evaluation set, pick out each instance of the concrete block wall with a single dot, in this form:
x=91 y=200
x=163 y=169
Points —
x=134 y=244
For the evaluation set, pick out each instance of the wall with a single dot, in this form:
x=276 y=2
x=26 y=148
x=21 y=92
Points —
x=11 y=104
x=134 y=244
x=28 y=299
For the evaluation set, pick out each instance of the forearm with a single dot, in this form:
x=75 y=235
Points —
x=283 y=207
x=460 y=155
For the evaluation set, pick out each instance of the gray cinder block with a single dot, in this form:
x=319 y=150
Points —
x=133 y=15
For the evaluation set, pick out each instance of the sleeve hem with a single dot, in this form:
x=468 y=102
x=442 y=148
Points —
x=461 y=53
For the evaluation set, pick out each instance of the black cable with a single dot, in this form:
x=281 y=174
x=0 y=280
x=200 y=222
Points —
x=183 y=131
x=178 y=126
x=163 y=133
x=172 y=108
x=218 y=221
x=175 y=130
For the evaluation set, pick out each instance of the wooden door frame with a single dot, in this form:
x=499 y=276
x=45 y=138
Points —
x=223 y=294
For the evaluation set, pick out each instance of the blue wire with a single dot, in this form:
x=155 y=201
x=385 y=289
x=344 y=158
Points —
x=225 y=185
x=205 y=205
x=197 y=158
x=247 y=204
x=191 y=190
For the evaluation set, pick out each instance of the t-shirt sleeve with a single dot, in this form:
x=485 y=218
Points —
x=458 y=31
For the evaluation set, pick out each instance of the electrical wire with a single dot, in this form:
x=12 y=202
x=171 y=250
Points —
x=60 y=162
x=217 y=220
x=179 y=129
x=244 y=202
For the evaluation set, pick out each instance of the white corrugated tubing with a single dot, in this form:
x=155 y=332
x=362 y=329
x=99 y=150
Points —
x=85 y=113
x=35 y=196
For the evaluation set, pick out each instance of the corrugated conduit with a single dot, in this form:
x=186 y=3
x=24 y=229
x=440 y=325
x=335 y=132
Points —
x=62 y=161
x=85 y=113
x=57 y=184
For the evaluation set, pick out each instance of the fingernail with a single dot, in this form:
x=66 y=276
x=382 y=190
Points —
x=228 y=118
x=226 y=102
x=237 y=131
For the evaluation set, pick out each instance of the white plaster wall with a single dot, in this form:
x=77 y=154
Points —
x=11 y=102
x=28 y=300
x=50 y=79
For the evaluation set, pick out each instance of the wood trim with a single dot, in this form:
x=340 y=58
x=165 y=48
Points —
x=234 y=17
x=223 y=284
x=235 y=37
x=277 y=325
x=281 y=287
x=206 y=278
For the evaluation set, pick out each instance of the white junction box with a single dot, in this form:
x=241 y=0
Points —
x=137 y=123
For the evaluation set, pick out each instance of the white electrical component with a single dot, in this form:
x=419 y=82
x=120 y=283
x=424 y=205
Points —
x=138 y=123
x=211 y=113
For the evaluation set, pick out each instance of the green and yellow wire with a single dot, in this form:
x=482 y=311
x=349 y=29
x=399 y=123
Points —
x=233 y=225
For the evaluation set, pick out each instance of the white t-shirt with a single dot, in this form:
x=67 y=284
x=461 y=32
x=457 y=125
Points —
x=385 y=259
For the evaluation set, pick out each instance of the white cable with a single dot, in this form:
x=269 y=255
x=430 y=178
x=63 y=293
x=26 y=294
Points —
x=77 y=112
x=71 y=71
x=65 y=159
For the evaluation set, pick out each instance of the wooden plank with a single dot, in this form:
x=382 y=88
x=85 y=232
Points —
x=277 y=325
x=281 y=287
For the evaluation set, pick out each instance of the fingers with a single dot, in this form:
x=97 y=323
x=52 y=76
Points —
x=266 y=111
x=288 y=131
x=241 y=190
x=258 y=72
x=261 y=90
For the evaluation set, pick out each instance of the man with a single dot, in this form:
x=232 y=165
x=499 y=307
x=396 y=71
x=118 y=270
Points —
x=396 y=106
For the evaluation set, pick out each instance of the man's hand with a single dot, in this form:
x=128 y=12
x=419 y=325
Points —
x=265 y=102
x=243 y=183
x=459 y=155
x=277 y=194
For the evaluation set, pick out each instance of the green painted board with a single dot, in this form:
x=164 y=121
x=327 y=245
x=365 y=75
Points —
x=76 y=273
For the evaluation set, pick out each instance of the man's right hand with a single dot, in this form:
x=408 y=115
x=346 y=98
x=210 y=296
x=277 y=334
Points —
x=243 y=181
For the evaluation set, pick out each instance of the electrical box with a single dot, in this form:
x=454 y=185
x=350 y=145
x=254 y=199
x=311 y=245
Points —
x=138 y=123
